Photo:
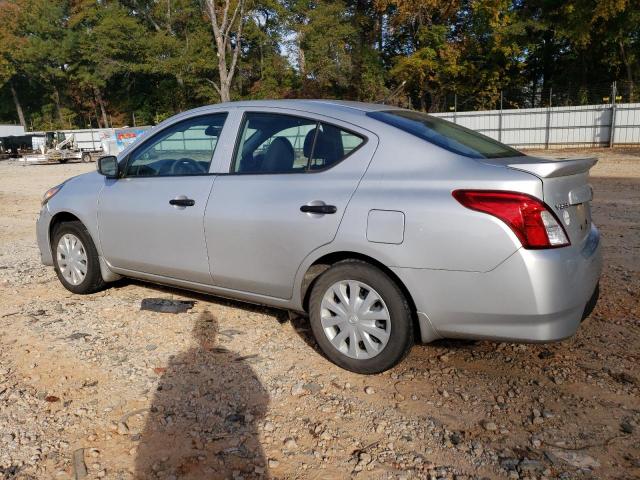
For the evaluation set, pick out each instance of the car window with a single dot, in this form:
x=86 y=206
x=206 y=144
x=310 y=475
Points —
x=276 y=143
x=445 y=134
x=332 y=144
x=185 y=148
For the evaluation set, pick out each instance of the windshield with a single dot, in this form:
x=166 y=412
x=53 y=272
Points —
x=445 y=134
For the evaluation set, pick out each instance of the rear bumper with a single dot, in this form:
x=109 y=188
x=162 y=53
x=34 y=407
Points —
x=533 y=296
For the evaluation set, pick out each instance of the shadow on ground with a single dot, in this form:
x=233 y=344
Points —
x=299 y=322
x=204 y=415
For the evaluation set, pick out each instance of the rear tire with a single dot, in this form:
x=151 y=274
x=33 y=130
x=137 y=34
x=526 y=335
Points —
x=86 y=157
x=360 y=317
x=76 y=259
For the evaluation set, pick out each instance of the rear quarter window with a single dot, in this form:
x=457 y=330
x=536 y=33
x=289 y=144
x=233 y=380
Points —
x=442 y=133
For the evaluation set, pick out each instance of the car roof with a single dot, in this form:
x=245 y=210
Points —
x=340 y=109
x=349 y=111
x=310 y=104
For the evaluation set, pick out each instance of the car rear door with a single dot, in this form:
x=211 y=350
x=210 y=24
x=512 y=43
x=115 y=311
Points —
x=289 y=182
x=150 y=220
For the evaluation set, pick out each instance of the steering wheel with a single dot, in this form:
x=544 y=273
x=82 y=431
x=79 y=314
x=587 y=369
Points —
x=187 y=166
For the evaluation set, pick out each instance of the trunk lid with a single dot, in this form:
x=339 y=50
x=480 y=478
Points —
x=566 y=189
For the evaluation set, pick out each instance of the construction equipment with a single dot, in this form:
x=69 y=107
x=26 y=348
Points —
x=60 y=147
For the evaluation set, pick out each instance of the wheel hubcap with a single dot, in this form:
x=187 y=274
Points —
x=72 y=259
x=355 y=319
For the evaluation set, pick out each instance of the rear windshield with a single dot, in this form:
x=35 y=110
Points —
x=445 y=134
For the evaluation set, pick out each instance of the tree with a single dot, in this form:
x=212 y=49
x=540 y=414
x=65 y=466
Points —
x=9 y=44
x=227 y=20
x=324 y=36
x=100 y=62
x=264 y=72
x=109 y=44
x=46 y=49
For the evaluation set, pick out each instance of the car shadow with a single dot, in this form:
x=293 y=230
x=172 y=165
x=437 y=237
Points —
x=280 y=315
x=299 y=322
x=204 y=417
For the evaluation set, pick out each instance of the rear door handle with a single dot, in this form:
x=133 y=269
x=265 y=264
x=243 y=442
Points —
x=319 y=209
x=182 y=202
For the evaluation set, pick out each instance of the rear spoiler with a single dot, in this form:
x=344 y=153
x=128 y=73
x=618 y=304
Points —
x=549 y=168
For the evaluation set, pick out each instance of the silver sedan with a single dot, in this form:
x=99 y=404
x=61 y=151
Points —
x=383 y=225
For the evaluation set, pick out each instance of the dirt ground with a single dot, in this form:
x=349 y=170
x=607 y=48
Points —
x=231 y=390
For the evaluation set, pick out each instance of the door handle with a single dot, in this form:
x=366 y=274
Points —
x=319 y=209
x=182 y=202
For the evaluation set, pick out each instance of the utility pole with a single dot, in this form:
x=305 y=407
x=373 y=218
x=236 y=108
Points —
x=455 y=108
x=612 y=124
x=547 y=132
x=500 y=119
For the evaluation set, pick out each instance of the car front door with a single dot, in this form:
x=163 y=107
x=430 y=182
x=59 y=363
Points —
x=287 y=188
x=150 y=219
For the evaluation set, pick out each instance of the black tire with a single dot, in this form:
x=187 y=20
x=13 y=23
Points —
x=401 y=332
x=86 y=157
x=92 y=281
x=63 y=160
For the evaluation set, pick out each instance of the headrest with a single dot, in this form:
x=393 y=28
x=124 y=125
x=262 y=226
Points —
x=279 y=156
x=324 y=147
x=308 y=142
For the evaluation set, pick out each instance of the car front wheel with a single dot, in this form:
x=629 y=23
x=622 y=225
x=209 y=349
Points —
x=76 y=259
x=360 y=317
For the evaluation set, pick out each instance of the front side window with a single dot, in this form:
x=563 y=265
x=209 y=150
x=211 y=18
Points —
x=275 y=143
x=445 y=134
x=185 y=148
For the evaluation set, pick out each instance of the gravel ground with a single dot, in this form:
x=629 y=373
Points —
x=228 y=390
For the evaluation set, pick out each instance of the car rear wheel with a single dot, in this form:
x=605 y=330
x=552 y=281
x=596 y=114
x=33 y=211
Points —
x=360 y=317
x=76 y=259
x=86 y=157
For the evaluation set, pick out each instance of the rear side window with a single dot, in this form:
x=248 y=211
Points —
x=445 y=134
x=276 y=143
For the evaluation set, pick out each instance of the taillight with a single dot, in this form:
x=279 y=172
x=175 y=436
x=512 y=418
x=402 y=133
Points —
x=530 y=219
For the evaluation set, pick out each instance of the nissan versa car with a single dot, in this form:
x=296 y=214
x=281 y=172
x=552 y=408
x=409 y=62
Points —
x=384 y=225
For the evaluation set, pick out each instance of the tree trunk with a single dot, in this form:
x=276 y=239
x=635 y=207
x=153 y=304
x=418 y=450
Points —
x=629 y=72
x=224 y=24
x=16 y=101
x=56 y=99
x=302 y=62
x=225 y=90
x=366 y=27
x=103 y=110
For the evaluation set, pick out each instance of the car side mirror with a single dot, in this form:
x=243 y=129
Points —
x=108 y=166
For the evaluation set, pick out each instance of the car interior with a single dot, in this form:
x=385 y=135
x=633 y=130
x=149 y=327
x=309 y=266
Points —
x=185 y=150
x=270 y=143
x=287 y=145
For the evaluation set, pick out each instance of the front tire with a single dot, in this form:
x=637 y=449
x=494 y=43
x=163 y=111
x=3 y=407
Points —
x=360 y=317
x=76 y=259
x=86 y=157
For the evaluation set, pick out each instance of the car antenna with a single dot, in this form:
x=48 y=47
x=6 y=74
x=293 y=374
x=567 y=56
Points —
x=395 y=92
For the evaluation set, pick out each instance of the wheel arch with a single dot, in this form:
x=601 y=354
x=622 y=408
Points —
x=60 y=218
x=327 y=260
x=64 y=217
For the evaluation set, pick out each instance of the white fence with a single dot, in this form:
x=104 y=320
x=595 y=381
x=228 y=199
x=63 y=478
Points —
x=7 y=130
x=585 y=126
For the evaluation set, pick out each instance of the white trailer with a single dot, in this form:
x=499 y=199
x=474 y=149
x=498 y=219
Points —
x=64 y=145
x=81 y=145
